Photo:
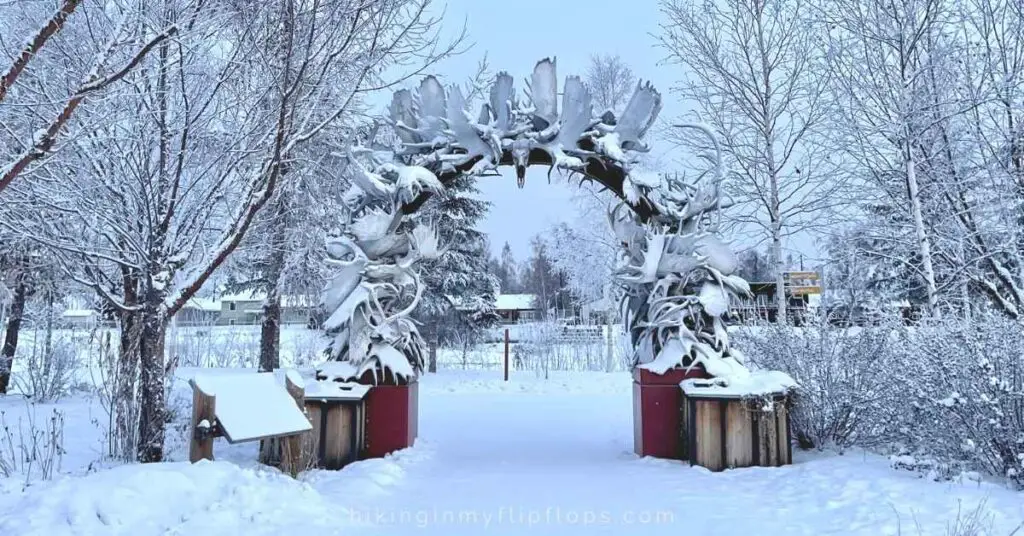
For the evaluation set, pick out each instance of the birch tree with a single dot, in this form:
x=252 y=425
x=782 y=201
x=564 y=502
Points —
x=584 y=247
x=755 y=75
x=880 y=52
x=610 y=80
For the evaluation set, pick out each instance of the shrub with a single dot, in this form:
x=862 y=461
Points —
x=962 y=387
x=51 y=366
x=30 y=450
x=844 y=389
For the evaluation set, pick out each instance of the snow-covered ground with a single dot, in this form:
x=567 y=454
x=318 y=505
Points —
x=530 y=456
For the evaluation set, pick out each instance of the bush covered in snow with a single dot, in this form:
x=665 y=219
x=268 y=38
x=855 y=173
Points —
x=944 y=398
x=844 y=393
x=962 y=390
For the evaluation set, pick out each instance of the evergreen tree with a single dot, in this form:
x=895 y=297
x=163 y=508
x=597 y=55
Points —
x=506 y=271
x=459 y=294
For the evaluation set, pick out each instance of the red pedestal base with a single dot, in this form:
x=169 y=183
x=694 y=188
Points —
x=392 y=418
x=657 y=412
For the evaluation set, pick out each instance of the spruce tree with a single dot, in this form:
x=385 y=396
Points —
x=459 y=288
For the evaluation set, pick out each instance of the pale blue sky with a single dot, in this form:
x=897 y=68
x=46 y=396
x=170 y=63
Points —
x=514 y=36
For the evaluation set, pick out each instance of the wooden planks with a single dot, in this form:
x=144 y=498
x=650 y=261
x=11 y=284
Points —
x=338 y=432
x=204 y=410
x=312 y=446
x=708 y=423
x=725 y=433
x=338 y=439
x=785 y=446
x=739 y=436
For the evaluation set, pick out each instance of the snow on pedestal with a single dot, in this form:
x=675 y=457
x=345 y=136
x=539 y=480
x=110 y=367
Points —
x=745 y=384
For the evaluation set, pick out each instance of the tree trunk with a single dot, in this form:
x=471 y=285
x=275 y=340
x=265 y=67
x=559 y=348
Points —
x=270 y=328
x=270 y=333
x=13 y=330
x=923 y=243
x=780 y=280
x=152 y=406
x=432 y=344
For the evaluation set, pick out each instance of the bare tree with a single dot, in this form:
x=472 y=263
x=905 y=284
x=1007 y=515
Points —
x=168 y=189
x=610 y=81
x=756 y=77
x=126 y=45
x=881 y=53
x=36 y=44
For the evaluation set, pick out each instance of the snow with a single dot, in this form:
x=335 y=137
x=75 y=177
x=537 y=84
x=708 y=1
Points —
x=323 y=390
x=283 y=375
x=78 y=313
x=338 y=371
x=756 y=383
x=204 y=304
x=252 y=406
x=527 y=456
x=713 y=298
x=515 y=302
x=172 y=498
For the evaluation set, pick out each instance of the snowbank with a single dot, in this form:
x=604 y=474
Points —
x=172 y=498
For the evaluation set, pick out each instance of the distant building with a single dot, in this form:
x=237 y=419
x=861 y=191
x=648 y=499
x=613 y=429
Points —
x=228 y=310
x=199 y=312
x=803 y=295
x=514 y=308
x=247 y=308
x=80 y=318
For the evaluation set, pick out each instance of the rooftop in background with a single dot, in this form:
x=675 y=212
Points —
x=505 y=302
x=516 y=302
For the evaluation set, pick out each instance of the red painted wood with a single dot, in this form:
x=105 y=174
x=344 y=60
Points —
x=657 y=412
x=392 y=417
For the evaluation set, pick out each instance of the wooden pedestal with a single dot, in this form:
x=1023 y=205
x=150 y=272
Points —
x=338 y=431
x=734 y=432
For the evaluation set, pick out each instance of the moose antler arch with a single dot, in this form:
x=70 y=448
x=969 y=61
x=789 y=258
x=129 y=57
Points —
x=679 y=276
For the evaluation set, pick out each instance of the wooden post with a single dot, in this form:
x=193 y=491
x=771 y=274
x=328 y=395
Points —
x=506 y=354
x=203 y=409
x=609 y=357
x=291 y=446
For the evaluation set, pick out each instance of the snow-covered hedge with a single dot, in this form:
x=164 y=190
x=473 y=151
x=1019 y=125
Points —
x=943 y=398
x=962 y=386
x=844 y=392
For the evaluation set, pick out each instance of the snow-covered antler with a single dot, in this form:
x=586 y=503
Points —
x=678 y=276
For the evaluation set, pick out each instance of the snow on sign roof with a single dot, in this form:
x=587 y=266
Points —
x=252 y=406
x=515 y=302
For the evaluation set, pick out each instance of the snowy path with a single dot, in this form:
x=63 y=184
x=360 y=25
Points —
x=518 y=458
x=563 y=464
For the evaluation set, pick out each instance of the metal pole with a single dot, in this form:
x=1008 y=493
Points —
x=506 y=354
